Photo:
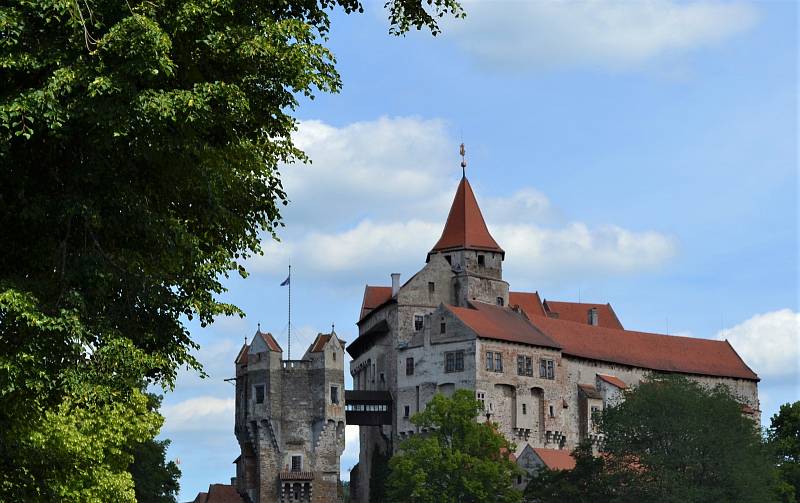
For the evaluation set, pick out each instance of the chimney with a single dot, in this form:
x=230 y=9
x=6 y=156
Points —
x=395 y=283
x=593 y=316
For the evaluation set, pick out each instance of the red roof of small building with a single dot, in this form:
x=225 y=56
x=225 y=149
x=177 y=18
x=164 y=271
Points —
x=555 y=459
x=667 y=353
x=374 y=296
x=322 y=339
x=272 y=344
x=579 y=313
x=242 y=356
x=613 y=380
x=219 y=493
x=465 y=226
x=528 y=302
x=501 y=323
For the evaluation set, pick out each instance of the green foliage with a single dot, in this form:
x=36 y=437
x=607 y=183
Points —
x=784 y=439
x=684 y=442
x=458 y=460
x=139 y=151
x=155 y=479
x=670 y=440
x=378 y=474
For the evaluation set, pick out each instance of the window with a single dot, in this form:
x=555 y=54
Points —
x=447 y=258
x=431 y=287
x=524 y=365
x=524 y=408
x=481 y=398
x=498 y=362
x=259 y=393
x=406 y=410
x=481 y=260
x=442 y=327
x=383 y=377
x=500 y=301
x=489 y=360
x=454 y=361
x=297 y=463
x=409 y=366
x=334 y=355
x=593 y=416
x=419 y=322
x=519 y=479
x=547 y=369
x=552 y=412
x=335 y=394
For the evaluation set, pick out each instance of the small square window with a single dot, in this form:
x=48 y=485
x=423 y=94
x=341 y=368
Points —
x=481 y=260
x=259 y=393
x=419 y=322
x=431 y=287
x=406 y=411
x=409 y=366
x=500 y=301
x=297 y=463
x=454 y=361
x=447 y=258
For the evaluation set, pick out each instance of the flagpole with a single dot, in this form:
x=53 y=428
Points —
x=290 y=313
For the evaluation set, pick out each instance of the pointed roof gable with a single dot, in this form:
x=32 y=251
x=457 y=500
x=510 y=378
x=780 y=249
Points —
x=264 y=339
x=465 y=227
x=529 y=302
x=322 y=340
x=242 y=356
x=374 y=296
x=555 y=459
x=579 y=313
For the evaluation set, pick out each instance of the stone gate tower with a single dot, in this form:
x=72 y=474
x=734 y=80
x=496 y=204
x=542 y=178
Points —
x=290 y=421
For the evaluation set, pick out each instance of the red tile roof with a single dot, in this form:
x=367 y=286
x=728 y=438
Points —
x=272 y=344
x=579 y=313
x=555 y=459
x=322 y=339
x=242 y=356
x=590 y=391
x=465 y=226
x=666 y=353
x=501 y=323
x=528 y=302
x=374 y=296
x=221 y=493
x=615 y=381
x=201 y=498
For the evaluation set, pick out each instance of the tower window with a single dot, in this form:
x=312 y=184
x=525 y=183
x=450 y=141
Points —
x=448 y=259
x=297 y=463
x=442 y=327
x=419 y=322
x=552 y=412
x=524 y=408
x=481 y=260
x=335 y=394
x=259 y=393
x=431 y=287
x=406 y=410
x=409 y=366
x=500 y=301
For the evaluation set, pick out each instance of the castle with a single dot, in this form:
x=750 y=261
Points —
x=289 y=421
x=541 y=368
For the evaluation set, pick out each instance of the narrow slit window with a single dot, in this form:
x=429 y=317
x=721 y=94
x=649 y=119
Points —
x=259 y=393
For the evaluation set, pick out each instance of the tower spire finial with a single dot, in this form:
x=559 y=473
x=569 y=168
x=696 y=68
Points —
x=463 y=153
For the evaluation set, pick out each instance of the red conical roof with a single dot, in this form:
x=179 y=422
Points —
x=465 y=227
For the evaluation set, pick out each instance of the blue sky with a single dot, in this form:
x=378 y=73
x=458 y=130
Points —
x=642 y=154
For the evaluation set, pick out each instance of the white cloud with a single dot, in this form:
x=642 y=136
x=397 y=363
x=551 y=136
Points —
x=768 y=342
x=376 y=198
x=201 y=413
x=611 y=33
x=350 y=455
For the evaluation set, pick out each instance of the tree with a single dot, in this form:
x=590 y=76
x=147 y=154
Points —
x=139 y=151
x=457 y=460
x=784 y=438
x=670 y=440
x=155 y=480
x=680 y=441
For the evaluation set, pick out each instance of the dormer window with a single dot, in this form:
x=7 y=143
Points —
x=593 y=316
x=481 y=260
